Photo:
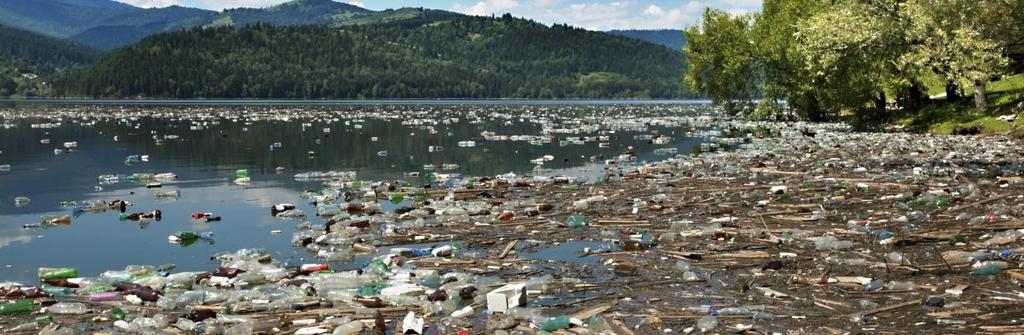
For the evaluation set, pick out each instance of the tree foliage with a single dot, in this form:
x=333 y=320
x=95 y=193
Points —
x=27 y=59
x=721 y=58
x=668 y=37
x=829 y=57
x=781 y=63
x=464 y=57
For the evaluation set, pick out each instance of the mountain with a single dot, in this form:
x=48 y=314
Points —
x=98 y=4
x=129 y=28
x=458 y=57
x=106 y=24
x=297 y=12
x=27 y=58
x=59 y=18
x=409 y=15
x=668 y=37
x=102 y=24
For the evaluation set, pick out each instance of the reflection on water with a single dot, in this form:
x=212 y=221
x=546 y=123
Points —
x=204 y=146
x=571 y=252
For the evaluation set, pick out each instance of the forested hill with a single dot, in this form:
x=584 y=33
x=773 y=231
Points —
x=26 y=59
x=668 y=37
x=460 y=57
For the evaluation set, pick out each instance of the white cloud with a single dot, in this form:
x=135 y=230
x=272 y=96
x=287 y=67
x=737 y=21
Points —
x=546 y=3
x=654 y=10
x=629 y=14
x=487 y=7
x=9 y=237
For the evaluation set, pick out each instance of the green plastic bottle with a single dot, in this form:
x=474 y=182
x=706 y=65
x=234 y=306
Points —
x=241 y=173
x=987 y=270
x=957 y=239
x=57 y=273
x=16 y=307
x=561 y=322
x=56 y=291
x=368 y=290
x=576 y=221
x=44 y=320
x=97 y=288
x=380 y=266
x=116 y=314
x=187 y=238
x=397 y=198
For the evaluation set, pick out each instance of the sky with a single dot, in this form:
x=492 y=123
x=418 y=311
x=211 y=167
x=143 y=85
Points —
x=590 y=14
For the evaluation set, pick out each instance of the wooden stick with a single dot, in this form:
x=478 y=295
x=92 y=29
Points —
x=508 y=248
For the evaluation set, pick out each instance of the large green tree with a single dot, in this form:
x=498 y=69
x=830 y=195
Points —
x=780 y=61
x=946 y=37
x=721 y=59
x=826 y=58
x=851 y=51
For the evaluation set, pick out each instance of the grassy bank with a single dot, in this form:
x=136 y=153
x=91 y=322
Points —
x=1005 y=97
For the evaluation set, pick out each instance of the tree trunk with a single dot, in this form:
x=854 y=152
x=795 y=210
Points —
x=980 y=100
x=952 y=92
x=814 y=112
x=880 y=103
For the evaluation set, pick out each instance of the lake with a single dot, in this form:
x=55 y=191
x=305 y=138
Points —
x=58 y=150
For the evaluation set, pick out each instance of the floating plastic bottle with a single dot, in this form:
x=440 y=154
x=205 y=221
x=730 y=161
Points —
x=67 y=308
x=576 y=221
x=707 y=323
x=116 y=314
x=397 y=198
x=988 y=269
x=57 y=273
x=17 y=307
x=561 y=322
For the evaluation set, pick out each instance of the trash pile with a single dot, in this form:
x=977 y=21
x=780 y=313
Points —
x=770 y=228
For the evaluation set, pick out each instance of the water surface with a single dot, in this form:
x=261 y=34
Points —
x=205 y=144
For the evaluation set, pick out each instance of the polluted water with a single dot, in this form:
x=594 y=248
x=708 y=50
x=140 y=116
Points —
x=499 y=219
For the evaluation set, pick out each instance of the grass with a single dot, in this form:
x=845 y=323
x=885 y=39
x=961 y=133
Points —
x=984 y=125
x=1005 y=97
x=1006 y=84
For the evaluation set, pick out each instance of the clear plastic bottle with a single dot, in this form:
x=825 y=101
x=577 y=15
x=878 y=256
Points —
x=67 y=308
x=707 y=324
x=901 y=286
x=350 y=328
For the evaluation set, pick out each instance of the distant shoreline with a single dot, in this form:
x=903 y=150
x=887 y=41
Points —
x=327 y=102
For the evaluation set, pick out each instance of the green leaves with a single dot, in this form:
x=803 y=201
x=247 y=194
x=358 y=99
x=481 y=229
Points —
x=826 y=58
x=721 y=59
x=947 y=39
